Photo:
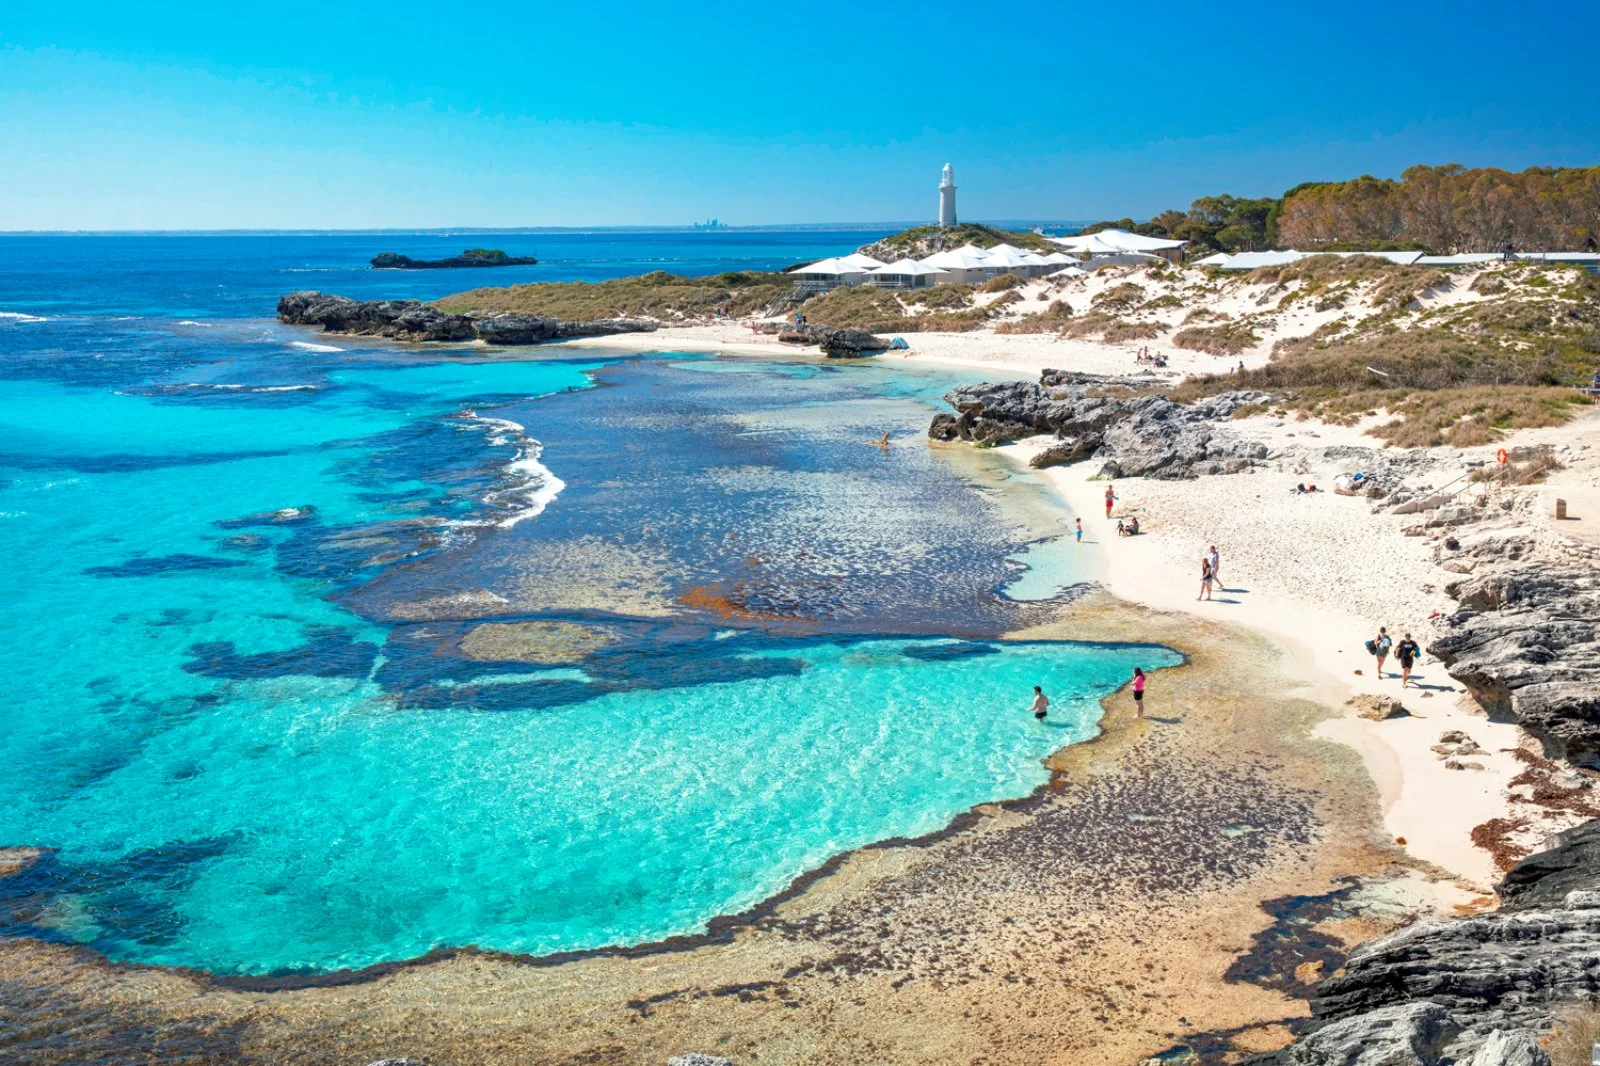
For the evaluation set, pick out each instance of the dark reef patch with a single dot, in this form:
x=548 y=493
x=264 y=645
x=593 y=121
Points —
x=156 y=565
x=327 y=653
x=941 y=653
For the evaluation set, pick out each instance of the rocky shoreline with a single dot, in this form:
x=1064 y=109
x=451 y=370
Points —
x=1476 y=991
x=413 y=320
x=1131 y=435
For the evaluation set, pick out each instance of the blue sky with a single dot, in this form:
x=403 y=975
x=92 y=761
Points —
x=131 y=116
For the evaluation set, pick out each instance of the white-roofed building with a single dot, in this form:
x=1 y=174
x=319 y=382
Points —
x=1120 y=241
x=1069 y=272
x=865 y=262
x=905 y=274
x=960 y=266
x=1252 y=260
x=1004 y=259
x=828 y=273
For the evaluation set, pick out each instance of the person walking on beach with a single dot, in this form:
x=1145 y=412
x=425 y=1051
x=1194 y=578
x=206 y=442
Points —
x=1041 y=703
x=1111 y=498
x=1408 y=653
x=1205 y=579
x=1379 y=646
x=1078 y=532
x=1138 y=692
x=1216 y=566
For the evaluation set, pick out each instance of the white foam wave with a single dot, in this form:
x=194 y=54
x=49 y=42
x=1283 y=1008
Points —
x=531 y=486
x=192 y=322
x=18 y=316
x=307 y=346
x=227 y=387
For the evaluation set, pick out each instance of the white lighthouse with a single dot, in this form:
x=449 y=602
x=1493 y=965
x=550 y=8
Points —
x=947 y=198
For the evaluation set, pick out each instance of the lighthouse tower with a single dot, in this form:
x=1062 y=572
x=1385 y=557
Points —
x=947 y=199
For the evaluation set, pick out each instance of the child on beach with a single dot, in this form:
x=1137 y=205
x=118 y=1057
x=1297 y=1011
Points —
x=1078 y=522
x=1138 y=692
x=1041 y=703
x=1111 y=498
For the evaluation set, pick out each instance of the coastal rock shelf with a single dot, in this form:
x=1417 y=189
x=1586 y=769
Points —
x=1134 y=436
x=1463 y=990
x=1525 y=641
x=412 y=320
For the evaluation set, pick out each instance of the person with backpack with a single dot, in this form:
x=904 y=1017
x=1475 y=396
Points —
x=1379 y=646
x=1408 y=653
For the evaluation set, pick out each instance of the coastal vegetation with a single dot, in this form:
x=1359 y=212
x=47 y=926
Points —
x=658 y=294
x=1443 y=362
x=1442 y=209
x=923 y=241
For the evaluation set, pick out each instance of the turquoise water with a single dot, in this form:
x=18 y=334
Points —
x=243 y=563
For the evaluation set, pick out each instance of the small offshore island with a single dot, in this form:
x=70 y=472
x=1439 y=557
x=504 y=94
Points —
x=472 y=257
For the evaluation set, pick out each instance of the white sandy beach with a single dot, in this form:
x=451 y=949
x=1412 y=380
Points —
x=1318 y=574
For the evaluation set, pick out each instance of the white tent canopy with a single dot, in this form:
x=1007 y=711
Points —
x=1116 y=240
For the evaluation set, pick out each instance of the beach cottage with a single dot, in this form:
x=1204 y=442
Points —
x=905 y=274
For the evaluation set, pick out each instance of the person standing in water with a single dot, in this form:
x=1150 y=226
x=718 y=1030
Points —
x=1138 y=692
x=1041 y=703
x=1408 y=653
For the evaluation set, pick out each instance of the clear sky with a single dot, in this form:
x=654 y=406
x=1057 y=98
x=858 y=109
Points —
x=241 y=114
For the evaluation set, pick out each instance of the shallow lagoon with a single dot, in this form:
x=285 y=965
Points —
x=248 y=565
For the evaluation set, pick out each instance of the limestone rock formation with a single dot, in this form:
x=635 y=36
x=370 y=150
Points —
x=1469 y=990
x=836 y=343
x=412 y=320
x=1527 y=641
x=1134 y=436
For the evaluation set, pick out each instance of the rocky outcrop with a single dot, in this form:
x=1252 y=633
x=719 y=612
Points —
x=1526 y=641
x=472 y=257
x=836 y=343
x=1469 y=990
x=412 y=320
x=1133 y=436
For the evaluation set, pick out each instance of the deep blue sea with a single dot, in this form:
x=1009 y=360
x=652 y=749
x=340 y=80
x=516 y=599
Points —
x=324 y=652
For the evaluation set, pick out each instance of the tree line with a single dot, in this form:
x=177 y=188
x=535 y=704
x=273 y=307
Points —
x=1443 y=210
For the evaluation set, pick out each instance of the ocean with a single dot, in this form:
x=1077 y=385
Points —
x=327 y=652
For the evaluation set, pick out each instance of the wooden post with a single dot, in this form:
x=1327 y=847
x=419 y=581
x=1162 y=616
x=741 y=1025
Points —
x=1561 y=509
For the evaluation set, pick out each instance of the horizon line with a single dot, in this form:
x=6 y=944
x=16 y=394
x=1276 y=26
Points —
x=775 y=227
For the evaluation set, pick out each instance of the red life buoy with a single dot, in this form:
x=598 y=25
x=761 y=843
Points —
x=1500 y=457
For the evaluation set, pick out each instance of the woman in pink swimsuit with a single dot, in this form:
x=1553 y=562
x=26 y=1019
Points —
x=1138 y=692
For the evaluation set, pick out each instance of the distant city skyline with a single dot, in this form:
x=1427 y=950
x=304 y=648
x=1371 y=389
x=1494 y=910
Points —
x=183 y=117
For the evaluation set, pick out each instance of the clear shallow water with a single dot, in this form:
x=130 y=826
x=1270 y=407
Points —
x=247 y=567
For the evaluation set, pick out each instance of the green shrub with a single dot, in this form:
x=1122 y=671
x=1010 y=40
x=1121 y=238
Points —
x=1000 y=283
